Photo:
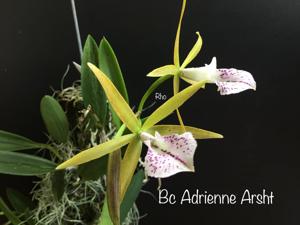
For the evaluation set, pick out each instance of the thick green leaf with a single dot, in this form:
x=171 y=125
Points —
x=97 y=151
x=92 y=92
x=132 y=193
x=171 y=129
x=55 y=119
x=14 y=142
x=22 y=205
x=150 y=90
x=23 y=164
x=9 y=214
x=108 y=63
x=92 y=170
x=172 y=104
x=117 y=102
x=105 y=217
x=58 y=184
x=18 y=201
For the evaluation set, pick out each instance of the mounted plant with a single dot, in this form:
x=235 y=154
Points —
x=90 y=171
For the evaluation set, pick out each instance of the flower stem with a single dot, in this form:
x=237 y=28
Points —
x=150 y=90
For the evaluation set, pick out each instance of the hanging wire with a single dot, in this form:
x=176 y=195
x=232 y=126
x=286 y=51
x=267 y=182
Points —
x=76 y=27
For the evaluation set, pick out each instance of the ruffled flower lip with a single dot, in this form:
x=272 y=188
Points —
x=170 y=154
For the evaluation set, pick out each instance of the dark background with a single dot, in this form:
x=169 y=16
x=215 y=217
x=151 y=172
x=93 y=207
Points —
x=260 y=149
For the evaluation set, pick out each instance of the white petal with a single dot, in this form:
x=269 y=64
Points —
x=232 y=81
x=213 y=63
x=208 y=73
x=170 y=154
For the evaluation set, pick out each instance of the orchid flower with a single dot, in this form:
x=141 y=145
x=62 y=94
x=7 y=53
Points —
x=229 y=81
x=169 y=149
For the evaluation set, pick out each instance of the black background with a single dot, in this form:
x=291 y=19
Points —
x=260 y=149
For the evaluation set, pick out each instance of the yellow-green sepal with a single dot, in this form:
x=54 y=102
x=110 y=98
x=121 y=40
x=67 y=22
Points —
x=171 y=129
x=193 y=53
x=97 y=151
x=116 y=100
x=169 y=106
x=129 y=164
x=177 y=39
x=163 y=71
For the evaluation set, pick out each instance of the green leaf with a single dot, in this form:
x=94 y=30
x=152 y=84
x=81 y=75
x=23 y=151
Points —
x=55 y=119
x=163 y=71
x=105 y=217
x=108 y=63
x=14 y=142
x=172 y=104
x=171 y=129
x=18 y=201
x=23 y=164
x=9 y=214
x=129 y=163
x=92 y=92
x=97 y=151
x=92 y=170
x=150 y=90
x=132 y=193
x=117 y=102
x=58 y=184
x=22 y=204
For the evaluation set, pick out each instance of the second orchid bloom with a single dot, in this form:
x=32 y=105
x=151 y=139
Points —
x=229 y=81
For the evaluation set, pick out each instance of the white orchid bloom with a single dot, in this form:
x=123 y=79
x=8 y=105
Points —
x=169 y=154
x=229 y=81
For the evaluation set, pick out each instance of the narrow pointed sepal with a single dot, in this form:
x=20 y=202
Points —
x=196 y=132
x=163 y=71
x=194 y=52
x=97 y=151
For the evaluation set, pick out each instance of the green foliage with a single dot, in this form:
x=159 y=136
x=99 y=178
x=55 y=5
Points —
x=58 y=184
x=132 y=193
x=19 y=202
x=108 y=63
x=22 y=205
x=9 y=214
x=14 y=142
x=92 y=92
x=116 y=100
x=55 y=119
x=24 y=165
x=93 y=170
